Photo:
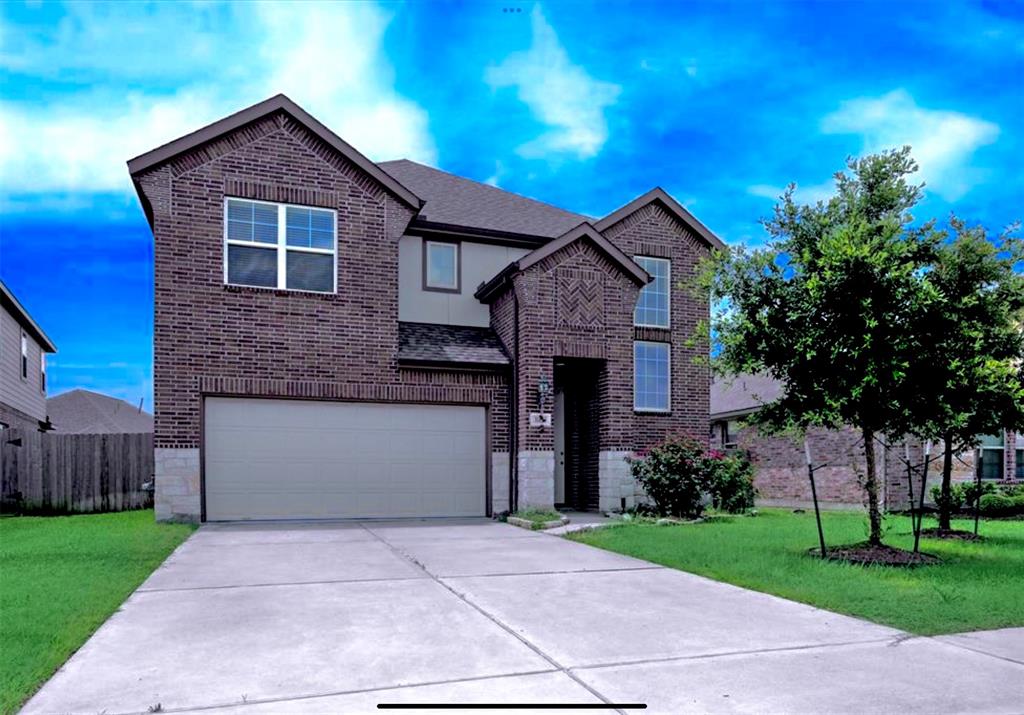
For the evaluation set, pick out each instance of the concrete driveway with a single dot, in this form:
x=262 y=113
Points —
x=278 y=618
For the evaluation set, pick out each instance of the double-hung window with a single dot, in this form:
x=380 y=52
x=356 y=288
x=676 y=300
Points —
x=991 y=456
x=651 y=376
x=279 y=246
x=441 y=266
x=42 y=371
x=653 y=304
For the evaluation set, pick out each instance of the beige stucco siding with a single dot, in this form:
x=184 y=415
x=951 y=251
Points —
x=21 y=394
x=480 y=262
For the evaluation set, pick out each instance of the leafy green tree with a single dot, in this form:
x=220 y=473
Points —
x=825 y=306
x=968 y=378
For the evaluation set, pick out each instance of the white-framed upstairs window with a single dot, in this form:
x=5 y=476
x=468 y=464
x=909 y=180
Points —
x=653 y=305
x=652 y=376
x=441 y=266
x=283 y=246
x=42 y=372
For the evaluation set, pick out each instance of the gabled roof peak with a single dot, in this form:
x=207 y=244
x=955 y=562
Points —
x=277 y=103
x=660 y=196
x=583 y=231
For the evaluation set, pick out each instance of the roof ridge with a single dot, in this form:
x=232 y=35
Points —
x=483 y=184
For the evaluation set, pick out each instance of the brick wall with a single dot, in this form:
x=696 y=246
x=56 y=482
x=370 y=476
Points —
x=211 y=338
x=652 y=231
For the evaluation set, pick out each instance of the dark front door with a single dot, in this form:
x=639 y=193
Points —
x=577 y=445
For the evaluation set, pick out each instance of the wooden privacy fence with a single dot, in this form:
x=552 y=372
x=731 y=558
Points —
x=52 y=472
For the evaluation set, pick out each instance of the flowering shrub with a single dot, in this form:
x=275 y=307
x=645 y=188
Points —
x=681 y=478
x=674 y=476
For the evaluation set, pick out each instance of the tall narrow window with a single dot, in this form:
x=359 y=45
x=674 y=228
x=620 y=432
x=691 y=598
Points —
x=652 y=306
x=24 y=356
x=279 y=246
x=441 y=266
x=651 y=376
x=42 y=371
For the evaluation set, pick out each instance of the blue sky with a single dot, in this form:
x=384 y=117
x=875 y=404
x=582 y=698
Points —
x=584 y=105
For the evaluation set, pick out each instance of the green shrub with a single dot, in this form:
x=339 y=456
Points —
x=1011 y=490
x=730 y=481
x=1002 y=505
x=962 y=494
x=956 y=496
x=674 y=475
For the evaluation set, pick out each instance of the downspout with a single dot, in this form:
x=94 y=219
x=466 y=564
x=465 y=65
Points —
x=513 y=431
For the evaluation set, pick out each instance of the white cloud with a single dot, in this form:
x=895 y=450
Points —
x=803 y=194
x=559 y=93
x=327 y=57
x=942 y=141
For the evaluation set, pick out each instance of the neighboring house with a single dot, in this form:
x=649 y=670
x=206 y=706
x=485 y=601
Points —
x=86 y=412
x=780 y=465
x=23 y=349
x=339 y=338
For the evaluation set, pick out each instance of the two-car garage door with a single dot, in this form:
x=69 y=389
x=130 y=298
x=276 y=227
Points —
x=297 y=459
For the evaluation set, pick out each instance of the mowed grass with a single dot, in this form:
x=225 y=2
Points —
x=977 y=586
x=60 y=578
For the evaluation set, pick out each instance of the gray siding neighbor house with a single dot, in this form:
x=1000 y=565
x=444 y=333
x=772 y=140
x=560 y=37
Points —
x=338 y=338
x=23 y=349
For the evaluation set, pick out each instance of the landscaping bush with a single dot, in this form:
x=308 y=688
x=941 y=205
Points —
x=1002 y=505
x=681 y=478
x=674 y=474
x=730 y=481
x=957 y=497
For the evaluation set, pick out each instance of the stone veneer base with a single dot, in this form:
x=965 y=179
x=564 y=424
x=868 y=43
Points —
x=616 y=482
x=176 y=494
x=537 y=479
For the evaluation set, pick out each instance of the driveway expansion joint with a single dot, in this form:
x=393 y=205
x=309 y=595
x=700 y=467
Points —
x=282 y=583
x=336 y=693
x=735 y=653
x=973 y=649
x=498 y=622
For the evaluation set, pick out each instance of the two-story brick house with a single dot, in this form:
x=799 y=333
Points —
x=338 y=338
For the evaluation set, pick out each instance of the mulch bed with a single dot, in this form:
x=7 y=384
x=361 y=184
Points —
x=958 y=534
x=867 y=555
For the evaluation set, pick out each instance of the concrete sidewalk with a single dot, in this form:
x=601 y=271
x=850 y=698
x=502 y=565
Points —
x=280 y=618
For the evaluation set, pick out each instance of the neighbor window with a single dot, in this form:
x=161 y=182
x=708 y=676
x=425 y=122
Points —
x=279 y=246
x=652 y=307
x=42 y=371
x=24 y=356
x=730 y=433
x=441 y=267
x=1020 y=463
x=651 y=379
x=990 y=457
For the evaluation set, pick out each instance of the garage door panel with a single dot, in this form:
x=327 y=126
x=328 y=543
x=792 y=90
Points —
x=273 y=459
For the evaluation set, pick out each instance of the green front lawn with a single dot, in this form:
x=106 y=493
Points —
x=60 y=578
x=978 y=585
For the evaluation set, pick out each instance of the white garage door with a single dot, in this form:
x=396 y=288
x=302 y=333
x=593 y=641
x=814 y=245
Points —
x=296 y=459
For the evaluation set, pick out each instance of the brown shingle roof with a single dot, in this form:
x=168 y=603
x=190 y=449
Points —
x=86 y=412
x=456 y=201
x=430 y=343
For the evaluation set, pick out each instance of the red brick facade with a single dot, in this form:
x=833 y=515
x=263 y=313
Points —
x=780 y=470
x=214 y=339
x=211 y=338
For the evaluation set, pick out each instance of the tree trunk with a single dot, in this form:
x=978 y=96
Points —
x=945 y=505
x=871 y=487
